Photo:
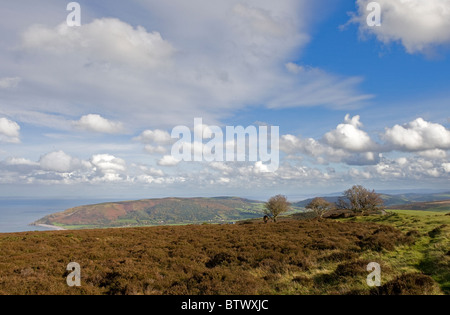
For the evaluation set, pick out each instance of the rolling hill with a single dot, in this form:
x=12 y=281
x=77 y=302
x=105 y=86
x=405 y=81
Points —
x=434 y=206
x=167 y=211
x=172 y=211
x=391 y=200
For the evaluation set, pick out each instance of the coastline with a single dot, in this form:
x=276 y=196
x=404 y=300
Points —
x=56 y=228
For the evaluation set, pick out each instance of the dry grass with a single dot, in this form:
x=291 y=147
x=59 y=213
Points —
x=289 y=257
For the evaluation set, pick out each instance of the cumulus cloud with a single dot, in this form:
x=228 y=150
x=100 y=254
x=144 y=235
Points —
x=418 y=135
x=61 y=168
x=349 y=136
x=150 y=171
x=410 y=168
x=108 y=164
x=322 y=153
x=418 y=25
x=156 y=141
x=366 y=158
x=96 y=123
x=17 y=167
x=154 y=136
x=9 y=131
x=349 y=144
x=311 y=147
x=446 y=167
x=437 y=154
x=221 y=166
x=168 y=160
x=62 y=163
x=105 y=40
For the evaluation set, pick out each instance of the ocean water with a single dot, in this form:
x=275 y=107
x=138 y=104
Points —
x=17 y=214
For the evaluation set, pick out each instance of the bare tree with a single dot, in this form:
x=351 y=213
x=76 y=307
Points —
x=360 y=200
x=276 y=206
x=320 y=206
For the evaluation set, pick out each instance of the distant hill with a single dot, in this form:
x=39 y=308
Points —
x=165 y=211
x=435 y=206
x=403 y=199
x=304 y=203
x=171 y=211
x=391 y=200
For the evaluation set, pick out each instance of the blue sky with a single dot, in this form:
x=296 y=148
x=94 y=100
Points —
x=88 y=110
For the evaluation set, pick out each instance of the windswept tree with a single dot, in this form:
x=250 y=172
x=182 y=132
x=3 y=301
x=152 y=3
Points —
x=320 y=206
x=361 y=200
x=276 y=205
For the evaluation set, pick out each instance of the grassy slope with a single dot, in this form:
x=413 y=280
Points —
x=289 y=257
x=430 y=253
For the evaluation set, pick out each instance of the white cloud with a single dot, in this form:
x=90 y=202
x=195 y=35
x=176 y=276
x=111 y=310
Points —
x=8 y=83
x=324 y=153
x=221 y=166
x=349 y=144
x=291 y=144
x=433 y=154
x=366 y=158
x=108 y=164
x=96 y=123
x=151 y=171
x=349 y=136
x=191 y=63
x=9 y=131
x=359 y=174
x=154 y=136
x=168 y=160
x=408 y=168
x=155 y=149
x=417 y=24
x=186 y=63
x=102 y=41
x=62 y=163
x=418 y=135
x=446 y=167
x=20 y=161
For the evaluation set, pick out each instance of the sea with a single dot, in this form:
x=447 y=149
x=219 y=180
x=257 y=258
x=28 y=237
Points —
x=16 y=215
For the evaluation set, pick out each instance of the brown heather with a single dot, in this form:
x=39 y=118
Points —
x=288 y=257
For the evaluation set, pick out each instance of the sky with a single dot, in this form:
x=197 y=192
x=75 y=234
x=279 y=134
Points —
x=89 y=110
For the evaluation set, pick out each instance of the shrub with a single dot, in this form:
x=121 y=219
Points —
x=352 y=269
x=211 y=259
x=407 y=284
x=436 y=231
x=218 y=260
x=385 y=237
x=413 y=233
